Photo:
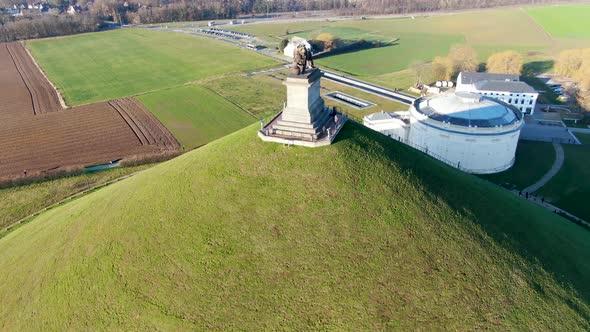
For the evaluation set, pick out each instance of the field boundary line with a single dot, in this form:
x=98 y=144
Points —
x=59 y=96
x=537 y=24
x=8 y=228
x=231 y=101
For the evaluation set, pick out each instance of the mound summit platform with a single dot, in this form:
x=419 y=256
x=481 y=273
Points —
x=305 y=120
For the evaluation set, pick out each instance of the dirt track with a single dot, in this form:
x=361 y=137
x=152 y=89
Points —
x=38 y=136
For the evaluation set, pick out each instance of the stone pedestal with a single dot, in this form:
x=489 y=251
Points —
x=305 y=120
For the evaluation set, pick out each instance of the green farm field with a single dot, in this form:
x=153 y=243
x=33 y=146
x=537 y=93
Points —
x=423 y=38
x=571 y=21
x=195 y=115
x=365 y=234
x=260 y=95
x=100 y=66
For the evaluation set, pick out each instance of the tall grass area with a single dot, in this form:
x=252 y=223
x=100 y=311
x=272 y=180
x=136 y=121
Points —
x=240 y=234
x=100 y=66
x=196 y=115
x=21 y=201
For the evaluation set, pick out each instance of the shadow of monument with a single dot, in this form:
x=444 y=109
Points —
x=347 y=50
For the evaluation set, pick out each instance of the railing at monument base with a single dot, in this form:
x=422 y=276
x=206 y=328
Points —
x=333 y=129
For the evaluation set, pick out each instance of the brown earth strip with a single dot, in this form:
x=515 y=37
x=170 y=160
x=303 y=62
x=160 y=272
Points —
x=45 y=98
x=39 y=138
x=15 y=98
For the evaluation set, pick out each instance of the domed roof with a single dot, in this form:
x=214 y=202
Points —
x=468 y=109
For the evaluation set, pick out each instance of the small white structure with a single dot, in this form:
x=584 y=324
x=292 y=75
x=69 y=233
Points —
x=474 y=133
x=293 y=43
x=393 y=124
x=505 y=87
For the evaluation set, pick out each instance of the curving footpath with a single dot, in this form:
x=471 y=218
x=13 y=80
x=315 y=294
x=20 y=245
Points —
x=559 y=157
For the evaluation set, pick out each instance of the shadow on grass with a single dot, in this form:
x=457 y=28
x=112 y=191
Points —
x=293 y=33
x=537 y=67
x=536 y=235
x=367 y=45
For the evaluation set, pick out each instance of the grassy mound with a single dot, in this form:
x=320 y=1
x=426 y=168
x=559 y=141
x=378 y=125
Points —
x=241 y=234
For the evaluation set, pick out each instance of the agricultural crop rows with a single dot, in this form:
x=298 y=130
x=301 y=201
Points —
x=144 y=124
x=38 y=137
x=15 y=98
x=45 y=98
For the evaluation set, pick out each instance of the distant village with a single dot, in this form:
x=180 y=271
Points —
x=41 y=8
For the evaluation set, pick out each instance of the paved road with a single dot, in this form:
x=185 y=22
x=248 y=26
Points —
x=559 y=157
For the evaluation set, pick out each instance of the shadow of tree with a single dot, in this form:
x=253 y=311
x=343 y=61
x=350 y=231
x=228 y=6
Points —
x=537 y=67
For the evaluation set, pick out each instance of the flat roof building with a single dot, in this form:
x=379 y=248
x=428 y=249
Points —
x=505 y=87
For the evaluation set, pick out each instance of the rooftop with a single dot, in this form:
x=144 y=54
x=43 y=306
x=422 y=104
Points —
x=469 y=110
x=401 y=116
x=505 y=86
x=474 y=77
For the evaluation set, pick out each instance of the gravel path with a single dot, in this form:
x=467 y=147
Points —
x=559 y=157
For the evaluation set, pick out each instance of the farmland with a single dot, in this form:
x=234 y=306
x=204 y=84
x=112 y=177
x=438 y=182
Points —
x=424 y=37
x=39 y=138
x=127 y=62
x=196 y=115
x=563 y=21
x=22 y=95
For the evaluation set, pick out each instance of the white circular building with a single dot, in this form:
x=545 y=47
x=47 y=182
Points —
x=473 y=133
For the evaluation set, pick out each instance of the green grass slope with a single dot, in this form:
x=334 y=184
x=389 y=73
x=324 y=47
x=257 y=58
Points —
x=241 y=234
x=100 y=66
x=24 y=200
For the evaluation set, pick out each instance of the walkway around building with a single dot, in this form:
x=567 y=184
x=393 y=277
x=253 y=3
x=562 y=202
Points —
x=559 y=157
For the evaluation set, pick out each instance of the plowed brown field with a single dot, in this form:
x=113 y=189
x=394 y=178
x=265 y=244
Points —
x=38 y=137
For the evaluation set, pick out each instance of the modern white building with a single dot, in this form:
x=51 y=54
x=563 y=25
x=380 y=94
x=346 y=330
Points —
x=474 y=133
x=505 y=87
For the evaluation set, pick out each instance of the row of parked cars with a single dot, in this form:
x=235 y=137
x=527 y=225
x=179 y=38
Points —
x=559 y=90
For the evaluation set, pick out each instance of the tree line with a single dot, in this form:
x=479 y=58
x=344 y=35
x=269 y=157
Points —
x=158 y=11
x=575 y=64
x=465 y=58
x=47 y=26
